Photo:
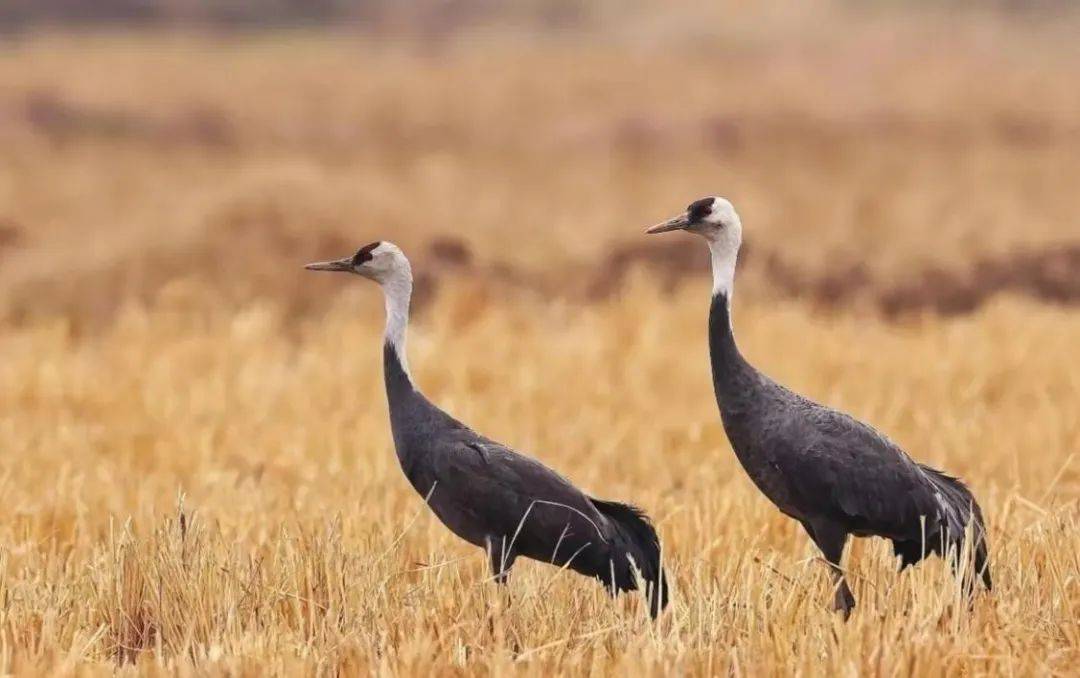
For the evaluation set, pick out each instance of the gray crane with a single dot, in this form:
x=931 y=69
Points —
x=486 y=493
x=832 y=473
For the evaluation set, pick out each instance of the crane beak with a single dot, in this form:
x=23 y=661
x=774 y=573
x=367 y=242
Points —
x=343 y=265
x=679 y=223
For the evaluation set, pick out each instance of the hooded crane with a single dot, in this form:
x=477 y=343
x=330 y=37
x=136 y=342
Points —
x=486 y=493
x=834 y=474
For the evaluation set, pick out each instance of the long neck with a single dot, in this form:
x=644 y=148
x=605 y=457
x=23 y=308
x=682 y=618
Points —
x=411 y=414
x=398 y=292
x=728 y=364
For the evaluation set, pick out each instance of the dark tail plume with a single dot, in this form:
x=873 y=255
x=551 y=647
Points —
x=962 y=518
x=636 y=540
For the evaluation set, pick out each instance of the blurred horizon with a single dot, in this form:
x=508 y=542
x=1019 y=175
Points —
x=452 y=15
x=899 y=156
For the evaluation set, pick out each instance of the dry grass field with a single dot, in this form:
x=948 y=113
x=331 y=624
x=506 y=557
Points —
x=195 y=463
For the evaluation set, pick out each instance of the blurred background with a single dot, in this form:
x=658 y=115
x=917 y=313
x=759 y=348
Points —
x=195 y=464
x=891 y=157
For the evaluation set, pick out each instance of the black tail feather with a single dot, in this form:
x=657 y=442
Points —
x=640 y=544
x=961 y=517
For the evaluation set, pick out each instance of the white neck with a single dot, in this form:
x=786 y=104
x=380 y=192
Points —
x=398 y=291
x=723 y=254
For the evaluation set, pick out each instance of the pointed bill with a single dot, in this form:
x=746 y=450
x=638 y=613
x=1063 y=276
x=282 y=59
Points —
x=677 y=224
x=336 y=265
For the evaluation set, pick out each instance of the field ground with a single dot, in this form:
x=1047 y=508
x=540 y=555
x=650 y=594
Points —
x=195 y=462
x=301 y=545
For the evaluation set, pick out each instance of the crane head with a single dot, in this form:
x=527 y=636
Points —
x=379 y=261
x=713 y=218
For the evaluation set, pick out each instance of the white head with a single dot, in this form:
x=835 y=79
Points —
x=715 y=220
x=386 y=264
x=712 y=218
x=381 y=261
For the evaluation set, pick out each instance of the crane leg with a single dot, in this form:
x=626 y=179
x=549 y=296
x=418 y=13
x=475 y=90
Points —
x=831 y=540
x=500 y=558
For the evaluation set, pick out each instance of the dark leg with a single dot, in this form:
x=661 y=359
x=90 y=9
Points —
x=500 y=559
x=831 y=539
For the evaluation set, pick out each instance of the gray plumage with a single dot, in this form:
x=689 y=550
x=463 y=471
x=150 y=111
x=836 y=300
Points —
x=834 y=474
x=491 y=496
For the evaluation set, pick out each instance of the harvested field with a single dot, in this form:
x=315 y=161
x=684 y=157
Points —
x=194 y=451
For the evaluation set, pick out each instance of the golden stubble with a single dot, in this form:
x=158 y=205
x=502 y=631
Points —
x=199 y=491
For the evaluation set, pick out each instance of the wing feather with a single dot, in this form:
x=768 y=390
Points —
x=506 y=493
x=861 y=477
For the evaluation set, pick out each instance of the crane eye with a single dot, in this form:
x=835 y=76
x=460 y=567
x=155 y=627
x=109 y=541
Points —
x=698 y=210
x=364 y=254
